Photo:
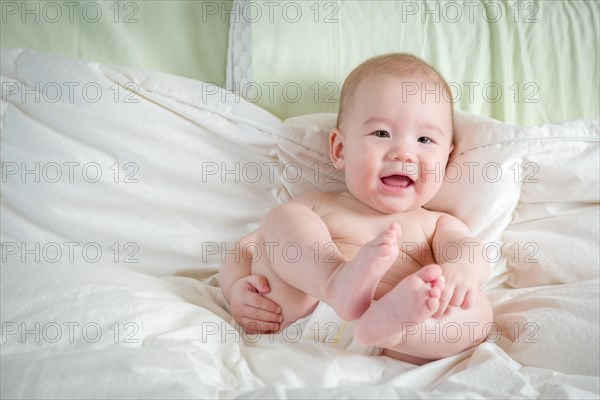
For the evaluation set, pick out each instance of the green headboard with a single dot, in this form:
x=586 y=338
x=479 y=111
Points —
x=182 y=37
x=524 y=62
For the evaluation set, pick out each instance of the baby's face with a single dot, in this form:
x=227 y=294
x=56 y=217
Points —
x=394 y=145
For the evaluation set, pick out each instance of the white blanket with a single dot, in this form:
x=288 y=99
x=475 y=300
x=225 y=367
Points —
x=116 y=208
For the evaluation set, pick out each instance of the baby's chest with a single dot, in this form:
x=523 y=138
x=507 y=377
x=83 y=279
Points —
x=350 y=231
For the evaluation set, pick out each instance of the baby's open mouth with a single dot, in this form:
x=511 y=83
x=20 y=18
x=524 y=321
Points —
x=397 y=181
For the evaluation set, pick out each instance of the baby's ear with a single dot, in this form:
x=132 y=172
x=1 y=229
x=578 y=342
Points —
x=336 y=148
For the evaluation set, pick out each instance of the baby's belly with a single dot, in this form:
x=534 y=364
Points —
x=403 y=267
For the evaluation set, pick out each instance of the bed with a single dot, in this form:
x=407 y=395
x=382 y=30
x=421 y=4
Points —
x=123 y=186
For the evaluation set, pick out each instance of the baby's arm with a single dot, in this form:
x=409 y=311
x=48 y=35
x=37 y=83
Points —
x=461 y=257
x=243 y=291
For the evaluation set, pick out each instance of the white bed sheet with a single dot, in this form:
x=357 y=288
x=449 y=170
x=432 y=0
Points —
x=159 y=327
x=112 y=332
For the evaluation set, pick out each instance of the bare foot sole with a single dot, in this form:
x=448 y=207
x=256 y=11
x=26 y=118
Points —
x=413 y=300
x=351 y=287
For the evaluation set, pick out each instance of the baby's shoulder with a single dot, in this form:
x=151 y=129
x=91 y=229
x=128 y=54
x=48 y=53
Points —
x=447 y=222
x=433 y=220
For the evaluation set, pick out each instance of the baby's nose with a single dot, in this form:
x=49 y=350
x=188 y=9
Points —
x=403 y=155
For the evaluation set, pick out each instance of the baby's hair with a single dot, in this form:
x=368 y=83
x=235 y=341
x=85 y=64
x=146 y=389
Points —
x=398 y=64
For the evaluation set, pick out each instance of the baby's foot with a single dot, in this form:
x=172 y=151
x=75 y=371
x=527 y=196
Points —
x=351 y=287
x=413 y=300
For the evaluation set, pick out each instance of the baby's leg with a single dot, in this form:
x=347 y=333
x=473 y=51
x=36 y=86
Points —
x=303 y=265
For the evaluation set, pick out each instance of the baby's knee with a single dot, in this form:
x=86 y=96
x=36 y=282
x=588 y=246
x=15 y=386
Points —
x=287 y=214
x=288 y=210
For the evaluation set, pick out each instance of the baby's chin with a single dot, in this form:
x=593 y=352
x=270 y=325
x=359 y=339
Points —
x=390 y=207
x=389 y=204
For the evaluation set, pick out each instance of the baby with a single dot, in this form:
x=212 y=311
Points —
x=393 y=140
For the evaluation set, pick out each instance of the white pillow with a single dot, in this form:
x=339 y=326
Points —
x=553 y=238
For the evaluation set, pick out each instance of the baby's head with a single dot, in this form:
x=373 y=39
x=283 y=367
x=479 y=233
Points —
x=401 y=65
x=394 y=132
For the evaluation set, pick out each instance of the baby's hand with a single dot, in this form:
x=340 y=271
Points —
x=254 y=312
x=460 y=290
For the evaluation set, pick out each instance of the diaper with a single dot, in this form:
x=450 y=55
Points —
x=325 y=326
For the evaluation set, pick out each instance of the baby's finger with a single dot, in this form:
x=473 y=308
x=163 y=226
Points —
x=259 y=283
x=444 y=301
x=458 y=297
x=258 y=301
x=446 y=298
x=256 y=314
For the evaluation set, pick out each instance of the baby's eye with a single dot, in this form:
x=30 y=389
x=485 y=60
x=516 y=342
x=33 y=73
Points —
x=381 y=134
x=424 y=139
